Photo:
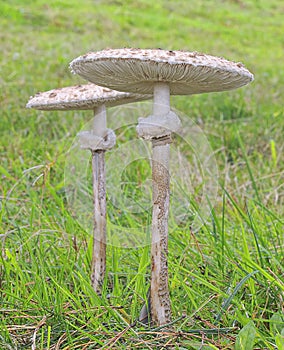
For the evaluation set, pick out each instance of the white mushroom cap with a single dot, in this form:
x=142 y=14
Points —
x=79 y=97
x=137 y=70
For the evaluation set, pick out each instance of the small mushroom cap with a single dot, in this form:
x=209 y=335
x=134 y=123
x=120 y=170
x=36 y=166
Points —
x=137 y=70
x=88 y=96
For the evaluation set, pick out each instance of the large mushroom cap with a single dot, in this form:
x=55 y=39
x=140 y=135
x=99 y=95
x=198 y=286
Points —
x=137 y=70
x=78 y=97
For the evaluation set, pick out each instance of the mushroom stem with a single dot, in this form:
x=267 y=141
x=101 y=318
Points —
x=98 y=266
x=100 y=124
x=159 y=294
x=161 y=99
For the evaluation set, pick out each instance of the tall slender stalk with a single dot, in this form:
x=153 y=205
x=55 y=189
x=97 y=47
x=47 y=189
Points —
x=159 y=293
x=98 y=266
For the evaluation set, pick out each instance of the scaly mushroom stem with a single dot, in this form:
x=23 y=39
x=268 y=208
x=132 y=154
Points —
x=158 y=128
x=159 y=295
x=98 y=266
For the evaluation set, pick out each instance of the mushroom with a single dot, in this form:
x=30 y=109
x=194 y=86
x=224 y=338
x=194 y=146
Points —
x=161 y=73
x=98 y=140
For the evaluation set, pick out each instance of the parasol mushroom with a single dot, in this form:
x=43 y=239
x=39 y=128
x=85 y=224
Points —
x=98 y=140
x=161 y=73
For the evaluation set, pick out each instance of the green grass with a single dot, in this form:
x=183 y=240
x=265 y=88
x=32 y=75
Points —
x=227 y=275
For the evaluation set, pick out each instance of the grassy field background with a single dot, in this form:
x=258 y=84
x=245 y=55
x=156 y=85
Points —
x=226 y=279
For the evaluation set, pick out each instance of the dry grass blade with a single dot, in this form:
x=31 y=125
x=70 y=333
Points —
x=39 y=325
